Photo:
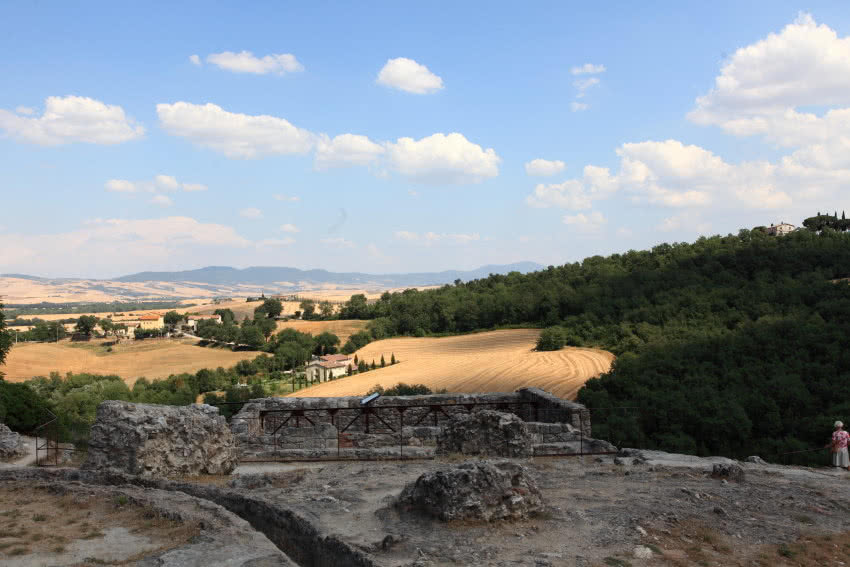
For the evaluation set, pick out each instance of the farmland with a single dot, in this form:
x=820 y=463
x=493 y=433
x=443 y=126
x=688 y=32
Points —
x=130 y=360
x=342 y=328
x=495 y=361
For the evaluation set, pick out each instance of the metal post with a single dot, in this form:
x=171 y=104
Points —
x=581 y=432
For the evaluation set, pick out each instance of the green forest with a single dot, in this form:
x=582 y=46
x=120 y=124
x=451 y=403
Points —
x=731 y=345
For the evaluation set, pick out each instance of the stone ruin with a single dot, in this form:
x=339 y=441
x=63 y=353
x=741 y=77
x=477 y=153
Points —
x=486 y=432
x=158 y=440
x=482 y=491
x=11 y=445
x=524 y=423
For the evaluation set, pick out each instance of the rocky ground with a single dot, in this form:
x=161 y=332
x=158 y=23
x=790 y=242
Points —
x=640 y=508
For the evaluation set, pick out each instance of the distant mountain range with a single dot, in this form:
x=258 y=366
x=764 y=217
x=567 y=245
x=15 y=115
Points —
x=270 y=275
x=224 y=275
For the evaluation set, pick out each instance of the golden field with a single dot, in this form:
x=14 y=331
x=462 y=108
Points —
x=494 y=361
x=343 y=328
x=131 y=360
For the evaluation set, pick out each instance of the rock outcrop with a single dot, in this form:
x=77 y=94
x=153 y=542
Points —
x=474 y=491
x=486 y=432
x=11 y=445
x=155 y=440
x=727 y=472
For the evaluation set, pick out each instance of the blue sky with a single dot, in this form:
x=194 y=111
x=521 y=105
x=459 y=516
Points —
x=393 y=137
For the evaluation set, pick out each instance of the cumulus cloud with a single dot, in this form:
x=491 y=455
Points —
x=241 y=136
x=337 y=242
x=71 y=119
x=544 y=168
x=408 y=75
x=251 y=213
x=162 y=200
x=25 y=110
x=160 y=183
x=288 y=198
x=195 y=60
x=432 y=237
x=111 y=246
x=289 y=228
x=592 y=222
x=346 y=149
x=442 y=158
x=588 y=69
x=247 y=62
x=583 y=84
x=687 y=221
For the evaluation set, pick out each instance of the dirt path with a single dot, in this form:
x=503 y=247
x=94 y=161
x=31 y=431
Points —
x=495 y=361
x=26 y=460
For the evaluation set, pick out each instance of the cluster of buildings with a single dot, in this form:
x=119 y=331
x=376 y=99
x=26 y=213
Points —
x=153 y=322
x=781 y=229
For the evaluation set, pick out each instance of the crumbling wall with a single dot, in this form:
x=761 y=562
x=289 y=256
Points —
x=157 y=440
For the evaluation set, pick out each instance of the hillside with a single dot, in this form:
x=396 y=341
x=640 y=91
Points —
x=497 y=361
x=730 y=345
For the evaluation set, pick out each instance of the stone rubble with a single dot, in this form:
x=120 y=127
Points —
x=157 y=440
x=481 y=491
x=11 y=445
x=488 y=433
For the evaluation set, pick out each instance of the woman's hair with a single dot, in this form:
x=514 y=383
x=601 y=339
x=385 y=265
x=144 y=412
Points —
x=838 y=424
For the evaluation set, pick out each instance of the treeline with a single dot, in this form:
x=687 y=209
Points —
x=730 y=345
x=48 y=308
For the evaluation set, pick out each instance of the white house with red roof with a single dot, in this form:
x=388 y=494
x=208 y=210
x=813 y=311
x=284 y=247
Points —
x=328 y=367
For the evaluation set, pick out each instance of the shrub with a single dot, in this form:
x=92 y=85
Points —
x=551 y=339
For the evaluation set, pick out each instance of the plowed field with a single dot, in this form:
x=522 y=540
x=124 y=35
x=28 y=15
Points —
x=342 y=328
x=495 y=361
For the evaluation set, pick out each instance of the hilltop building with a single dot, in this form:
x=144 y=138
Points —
x=328 y=367
x=781 y=229
x=193 y=320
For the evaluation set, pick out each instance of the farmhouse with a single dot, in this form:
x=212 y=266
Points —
x=151 y=322
x=781 y=229
x=328 y=367
x=193 y=320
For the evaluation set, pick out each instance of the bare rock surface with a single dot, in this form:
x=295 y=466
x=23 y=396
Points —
x=474 y=491
x=155 y=440
x=488 y=433
x=12 y=446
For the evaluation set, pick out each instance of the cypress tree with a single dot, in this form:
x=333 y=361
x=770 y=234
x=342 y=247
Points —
x=373 y=366
x=383 y=362
x=392 y=359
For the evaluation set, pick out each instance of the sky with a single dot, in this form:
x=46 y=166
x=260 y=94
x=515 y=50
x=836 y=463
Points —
x=388 y=137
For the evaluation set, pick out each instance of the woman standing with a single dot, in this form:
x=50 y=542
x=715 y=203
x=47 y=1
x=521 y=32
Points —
x=839 y=447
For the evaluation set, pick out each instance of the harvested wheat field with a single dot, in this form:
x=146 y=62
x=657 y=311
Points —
x=342 y=328
x=131 y=360
x=495 y=361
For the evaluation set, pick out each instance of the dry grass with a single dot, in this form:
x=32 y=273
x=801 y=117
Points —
x=343 y=329
x=495 y=361
x=131 y=360
x=37 y=519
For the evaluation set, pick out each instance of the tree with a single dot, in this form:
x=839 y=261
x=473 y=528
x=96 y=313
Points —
x=272 y=307
x=308 y=307
x=86 y=324
x=373 y=365
x=326 y=343
x=251 y=336
x=5 y=338
x=326 y=308
x=266 y=326
x=227 y=316
x=172 y=319
x=107 y=325
x=551 y=338
x=56 y=330
x=392 y=359
x=383 y=362
x=349 y=371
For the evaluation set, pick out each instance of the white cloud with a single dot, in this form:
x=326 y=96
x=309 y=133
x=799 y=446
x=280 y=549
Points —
x=276 y=242
x=160 y=183
x=544 y=168
x=162 y=200
x=624 y=232
x=442 y=158
x=251 y=213
x=120 y=186
x=408 y=75
x=592 y=222
x=762 y=85
x=588 y=69
x=337 y=242
x=346 y=149
x=687 y=221
x=112 y=246
x=292 y=199
x=289 y=228
x=195 y=60
x=166 y=183
x=26 y=110
x=432 y=237
x=247 y=62
x=234 y=135
x=72 y=119
x=583 y=84
x=578 y=106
